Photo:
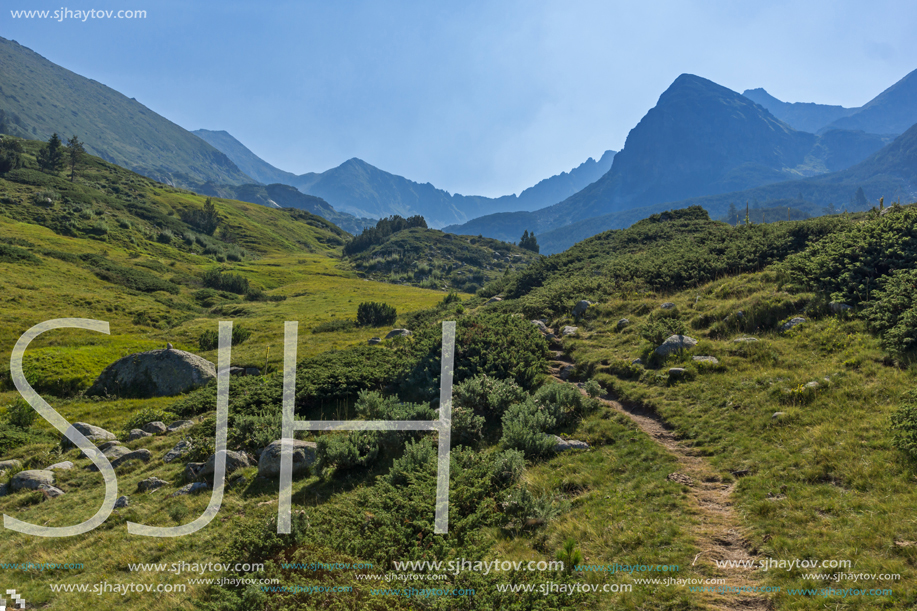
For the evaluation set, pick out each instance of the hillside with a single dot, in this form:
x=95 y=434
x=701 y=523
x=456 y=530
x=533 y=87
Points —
x=700 y=139
x=361 y=189
x=891 y=112
x=432 y=259
x=38 y=98
x=804 y=116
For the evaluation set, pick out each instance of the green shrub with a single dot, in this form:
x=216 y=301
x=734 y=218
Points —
x=904 y=428
x=892 y=312
x=508 y=467
x=226 y=281
x=467 y=427
x=210 y=338
x=418 y=456
x=372 y=314
x=524 y=428
x=528 y=511
x=348 y=451
x=564 y=402
x=487 y=395
x=593 y=389
x=657 y=330
x=136 y=279
x=331 y=326
x=14 y=254
x=20 y=414
x=254 y=431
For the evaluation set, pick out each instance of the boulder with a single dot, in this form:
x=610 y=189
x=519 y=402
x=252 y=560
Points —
x=706 y=359
x=143 y=454
x=192 y=488
x=122 y=502
x=398 y=333
x=157 y=373
x=50 y=492
x=63 y=466
x=234 y=461
x=541 y=326
x=6 y=465
x=792 y=323
x=108 y=445
x=113 y=453
x=493 y=300
x=137 y=434
x=191 y=470
x=566 y=371
x=676 y=372
x=562 y=445
x=94 y=434
x=155 y=428
x=580 y=308
x=622 y=323
x=252 y=371
x=637 y=361
x=837 y=308
x=182 y=447
x=179 y=425
x=32 y=479
x=151 y=483
x=668 y=305
x=304 y=455
x=4 y=489
x=813 y=385
x=236 y=371
x=374 y=340
x=674 y=343
x=568 y=330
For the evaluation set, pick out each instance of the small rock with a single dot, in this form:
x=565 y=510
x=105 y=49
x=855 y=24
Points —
x=4 y=489
x=580 y=308
x=637 y=361
x=566 y=372
x=236 y=371
x=676 y=371
x=143 y=454
x=622 y=323
x=191 y=470
x=182 y=447
x=744 y=340
x=252 y=371
x=541 y=326
x=740 y=314
x=741 y=472
x=192 y=488
x=137 y=434
x=493 y=300
x=151 y=483
x=813 y=385
x=680 y=478
x=168 y=346
x=668 y=305
x=155 y=428
x=398 y=333
x=32 y=479
x=234 y=461
x=374 y=340
x=562 y=445
x=94 y=434
x=63 y=466
x=50 y=492
x=792 y=323
x=122 y=502
x=706 y=359
x=837 y=307
x=6 y=465
x=304 y=455
x=674 y=343
x=568 y=330
x=777 y=415
x=179 y=425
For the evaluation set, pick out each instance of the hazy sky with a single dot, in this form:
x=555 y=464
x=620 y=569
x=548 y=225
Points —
x=475 y=97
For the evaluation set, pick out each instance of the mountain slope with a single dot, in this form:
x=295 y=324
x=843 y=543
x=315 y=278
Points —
x=890 y=173
x=700 y=139
x=804 y=116
x=891 y=112
x=361 y=189
x=38 y=98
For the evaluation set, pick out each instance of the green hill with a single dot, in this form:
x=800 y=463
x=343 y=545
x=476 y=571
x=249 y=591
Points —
x=38 y=98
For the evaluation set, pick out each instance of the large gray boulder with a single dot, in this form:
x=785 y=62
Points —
x=142 y=454
x=151 y=483
x=580 y=308
x=5 y=465
x=304 y=455
x=157 y=373
x=181 y=448
x=32 y=479
x=94 y=434
x=398 y=333
x=674 y=343
x=792 y=323
x=234 y=461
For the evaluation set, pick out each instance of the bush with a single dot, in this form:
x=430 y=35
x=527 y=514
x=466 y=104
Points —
x=372 y=314
x=527 y=511
x=904 y=428
x=508 y=467
x=418 y=456
x=892 y=313
x=657 y=330
x=348 y=451
x=226 y=281
x=486 y=395
x=467 y=427
x=524 y=427
x=564 y=402
x=20 y=414
x=593 y=389
x=210 y=338
x=253 y=432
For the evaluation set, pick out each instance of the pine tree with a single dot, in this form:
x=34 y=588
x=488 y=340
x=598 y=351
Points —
x=529 y=242
x=860 y=199
x=733 y=215
x=51 y=157
x=75 y=151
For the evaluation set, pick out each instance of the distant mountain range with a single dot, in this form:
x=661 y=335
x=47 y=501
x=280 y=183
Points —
x=891 y=112
x=890 y=173
x=38 y=98
x=701 y=139
x=363 y=190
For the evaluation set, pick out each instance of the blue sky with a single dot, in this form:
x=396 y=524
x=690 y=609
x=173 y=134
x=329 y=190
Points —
x=475 y=97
